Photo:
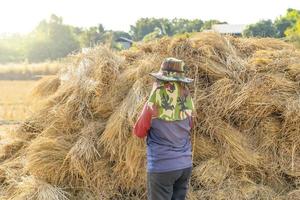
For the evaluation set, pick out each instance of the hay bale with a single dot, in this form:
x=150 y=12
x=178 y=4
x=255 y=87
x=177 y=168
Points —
x=257 y=191
x=45 y=87
x=100 y=184
x=126 y=150
x=224 y=97
x=46 y=159
x=203 y=148
x=2 y=176
x=123 y=85
x=291 y=122
x=229 y=190
x=235 y=145
x=9 y=146
x=13 y=142
x=268 y=134
x=271 y=61
x=84 y=153
x=246 y=132
x=32 y=188
x=105 y=70
x=210 y=54
x=12 y=169
x=294 y=71
x=293 y=195
x=211 y=173
x=237 y=189
x=289 y=158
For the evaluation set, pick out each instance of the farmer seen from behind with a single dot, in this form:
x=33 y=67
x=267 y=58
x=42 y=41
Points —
x=166 y=121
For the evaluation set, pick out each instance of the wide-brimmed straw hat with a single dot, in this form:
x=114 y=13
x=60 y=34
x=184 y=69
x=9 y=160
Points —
x=172 y=69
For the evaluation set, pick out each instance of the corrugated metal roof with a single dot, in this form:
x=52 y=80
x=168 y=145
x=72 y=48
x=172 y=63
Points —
x=123 y=39
x=229 y=28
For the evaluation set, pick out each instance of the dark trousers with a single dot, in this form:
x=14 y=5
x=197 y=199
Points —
x=168 y=185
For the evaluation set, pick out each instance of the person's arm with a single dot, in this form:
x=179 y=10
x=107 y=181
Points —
x=143 y=123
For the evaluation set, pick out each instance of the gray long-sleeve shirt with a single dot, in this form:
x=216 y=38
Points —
x=169 y=145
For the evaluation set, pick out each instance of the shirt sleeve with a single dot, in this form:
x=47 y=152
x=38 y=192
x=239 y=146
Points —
x=143 y=123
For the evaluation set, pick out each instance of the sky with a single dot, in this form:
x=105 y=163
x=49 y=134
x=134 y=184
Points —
x=23 y=15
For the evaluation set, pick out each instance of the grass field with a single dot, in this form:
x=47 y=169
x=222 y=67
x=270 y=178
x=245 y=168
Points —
x=25 y=71
x=16 y=82
x=14 y=100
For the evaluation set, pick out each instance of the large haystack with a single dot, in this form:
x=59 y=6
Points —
x=246 y=140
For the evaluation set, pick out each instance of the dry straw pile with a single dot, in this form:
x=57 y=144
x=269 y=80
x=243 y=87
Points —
x=246 y=143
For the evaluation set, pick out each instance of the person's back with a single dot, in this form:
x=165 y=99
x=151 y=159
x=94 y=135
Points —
x=166 y=120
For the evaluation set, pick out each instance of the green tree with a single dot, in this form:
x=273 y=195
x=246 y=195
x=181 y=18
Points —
x=117 y=34
x=263 y=28
x=12 y=48
x=51 y=40
x=194 y=25
x=101 y=28
x=208 y=24
x=39 y=50
x=288 y=21
x=293 y=31
x=282 y=25
x=113 y=36
x=186 y=26
x=157 y=33
x=145 y=26
x=91 y=36
x=153 y=27
x=293 y=34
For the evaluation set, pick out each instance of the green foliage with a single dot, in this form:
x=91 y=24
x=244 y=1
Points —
x=282 y=25
x=155 y=34
x=145 y=26
x=263 y=28
x=208 y=24
x=91 y=36
x=293 y=34
x=180 y=25
x=293 y=31
x=9 y=55
x=39 y=50
x=286 y=24
x=154 y=28
x=51 y=40
x=11 y=48
x=117 y=34
x=110 y=38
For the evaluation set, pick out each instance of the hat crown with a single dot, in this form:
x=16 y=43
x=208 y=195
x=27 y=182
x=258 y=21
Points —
x=172 y=65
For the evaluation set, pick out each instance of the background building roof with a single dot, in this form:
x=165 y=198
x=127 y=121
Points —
x=229 y=28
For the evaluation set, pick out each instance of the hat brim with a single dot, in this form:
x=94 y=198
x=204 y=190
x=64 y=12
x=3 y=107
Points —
x=161 y=77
